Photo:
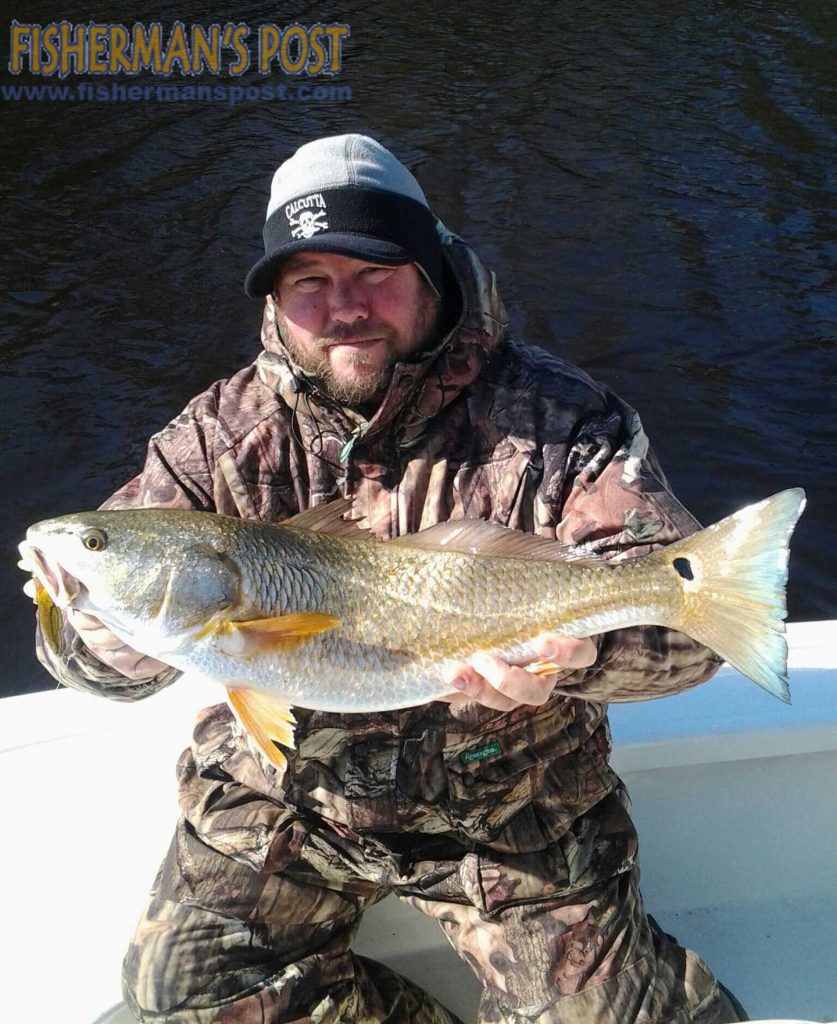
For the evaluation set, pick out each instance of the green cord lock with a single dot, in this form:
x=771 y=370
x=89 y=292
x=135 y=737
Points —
x=346 y=450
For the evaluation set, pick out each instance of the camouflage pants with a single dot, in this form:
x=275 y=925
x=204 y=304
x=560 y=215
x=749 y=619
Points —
x=254 y=909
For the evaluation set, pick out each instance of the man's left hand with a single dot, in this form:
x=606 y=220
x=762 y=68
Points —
x=495 y=683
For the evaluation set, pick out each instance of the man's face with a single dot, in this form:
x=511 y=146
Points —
x=348 y=322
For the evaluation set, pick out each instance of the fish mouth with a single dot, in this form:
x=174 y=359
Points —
x=62 y=588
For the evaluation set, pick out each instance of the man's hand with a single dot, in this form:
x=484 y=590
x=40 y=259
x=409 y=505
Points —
x=490 y=681
x=111 y=650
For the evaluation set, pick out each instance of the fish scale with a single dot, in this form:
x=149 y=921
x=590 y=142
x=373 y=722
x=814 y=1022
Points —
x=406 y=614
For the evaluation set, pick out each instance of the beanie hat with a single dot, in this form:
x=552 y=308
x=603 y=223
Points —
x=346 y=194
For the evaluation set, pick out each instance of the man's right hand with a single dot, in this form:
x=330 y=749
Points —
x=111 y=650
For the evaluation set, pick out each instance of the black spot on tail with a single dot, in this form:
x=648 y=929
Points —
x=683 y=566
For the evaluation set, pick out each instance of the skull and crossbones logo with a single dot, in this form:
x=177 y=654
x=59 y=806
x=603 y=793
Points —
x=308 y=223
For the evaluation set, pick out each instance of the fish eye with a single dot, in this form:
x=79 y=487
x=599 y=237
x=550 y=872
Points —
x=94 y=540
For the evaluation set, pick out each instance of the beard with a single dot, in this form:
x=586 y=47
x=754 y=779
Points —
x=366 y=385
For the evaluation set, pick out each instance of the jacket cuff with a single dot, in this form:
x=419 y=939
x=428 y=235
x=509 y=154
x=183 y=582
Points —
x=76 y=666
x=646 y=662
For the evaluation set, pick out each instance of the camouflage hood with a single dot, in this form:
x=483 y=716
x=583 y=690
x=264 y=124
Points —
x=419 y=389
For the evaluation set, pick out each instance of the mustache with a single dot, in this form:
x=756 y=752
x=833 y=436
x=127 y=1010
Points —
x=345 y=332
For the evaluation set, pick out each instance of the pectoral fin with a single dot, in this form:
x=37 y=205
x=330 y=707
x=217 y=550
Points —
x=260 y=636
x=266 y=720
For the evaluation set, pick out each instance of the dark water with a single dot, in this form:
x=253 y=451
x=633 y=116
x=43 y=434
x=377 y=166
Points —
x=650 y=182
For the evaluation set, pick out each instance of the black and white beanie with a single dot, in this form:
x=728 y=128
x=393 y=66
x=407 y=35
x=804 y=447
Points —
x=346 y=194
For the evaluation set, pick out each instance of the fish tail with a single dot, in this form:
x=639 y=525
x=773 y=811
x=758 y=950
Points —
x=733 y=576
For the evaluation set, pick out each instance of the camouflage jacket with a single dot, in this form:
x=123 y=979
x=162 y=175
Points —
x=480 y=426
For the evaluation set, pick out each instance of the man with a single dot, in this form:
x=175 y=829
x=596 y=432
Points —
x=388 y=376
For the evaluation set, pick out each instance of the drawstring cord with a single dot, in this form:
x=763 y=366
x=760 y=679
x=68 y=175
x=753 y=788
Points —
x=302 y=388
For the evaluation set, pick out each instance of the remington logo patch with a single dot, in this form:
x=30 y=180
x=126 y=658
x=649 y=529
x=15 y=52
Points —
x=467 y=756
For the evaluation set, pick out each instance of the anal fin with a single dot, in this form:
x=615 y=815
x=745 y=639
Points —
x=267 y=720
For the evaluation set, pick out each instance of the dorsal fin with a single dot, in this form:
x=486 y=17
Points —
x=468 y=536
x=477 y=537
x=333 y=518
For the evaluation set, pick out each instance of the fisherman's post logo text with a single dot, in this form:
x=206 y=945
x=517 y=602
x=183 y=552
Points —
x=63 y=48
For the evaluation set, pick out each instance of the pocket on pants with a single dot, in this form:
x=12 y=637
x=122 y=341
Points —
x=484 y=795
x=599 y=846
